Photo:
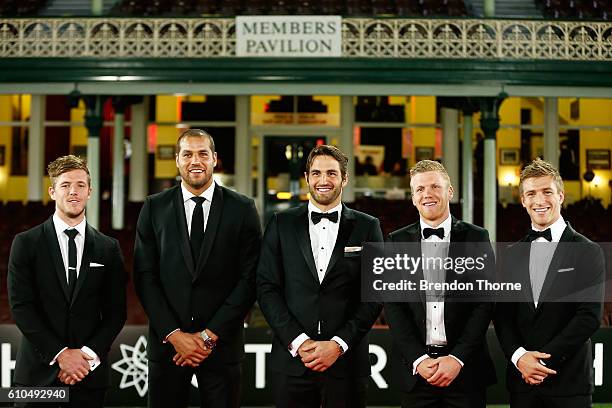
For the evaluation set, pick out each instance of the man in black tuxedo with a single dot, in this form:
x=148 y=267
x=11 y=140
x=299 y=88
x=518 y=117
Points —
x=66 y=286
x=546 y=339
x=440 y=352
x=308 y=286
x=197 y=246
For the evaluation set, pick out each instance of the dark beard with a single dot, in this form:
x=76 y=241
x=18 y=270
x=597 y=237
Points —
x=317 y=197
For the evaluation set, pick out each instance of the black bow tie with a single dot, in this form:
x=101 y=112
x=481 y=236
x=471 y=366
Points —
x=532 y=235
x=428 y=232
x=317 y=216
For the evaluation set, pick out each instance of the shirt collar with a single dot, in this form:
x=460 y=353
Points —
x=207 y=194
x=61 y=226
x=446 y=224
x=556 y=229
x=312 y=207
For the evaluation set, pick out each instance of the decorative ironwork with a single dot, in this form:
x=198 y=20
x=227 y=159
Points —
x=363 y=38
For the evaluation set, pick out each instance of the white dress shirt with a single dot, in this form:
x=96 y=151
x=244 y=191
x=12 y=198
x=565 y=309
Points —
x=556 y=230
x=189 y=207
x=62 y=239
x=322 y=241
x=79 y=240
x=190 y=204
x=435 y=330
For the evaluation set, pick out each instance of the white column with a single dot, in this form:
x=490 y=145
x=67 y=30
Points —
x=118 y=196
x=551 y=131
x=36 y=148
x=449 y=119
x=242 y=146
x=139 y=160
x=93 y=122
x=347 y=121
x=467 y=193
x=490 y=187
x=489 y=123
x=93 y=162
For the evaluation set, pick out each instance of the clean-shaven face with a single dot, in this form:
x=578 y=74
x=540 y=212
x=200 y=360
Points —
x=542 y=200
x=431 y=194
x=71 y=191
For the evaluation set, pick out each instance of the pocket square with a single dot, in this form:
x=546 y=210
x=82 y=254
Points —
x=94 y=264
x=565 y=270
x=353 y=249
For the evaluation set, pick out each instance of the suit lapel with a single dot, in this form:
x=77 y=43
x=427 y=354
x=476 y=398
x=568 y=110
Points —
x=347 y=224
x=458 y=235
x=56 y=255
x=212 y=224
x=557 y=259
x=413 y=234
x=88 y=251
x=521 y=260
x=303 y=238
x=180 y=220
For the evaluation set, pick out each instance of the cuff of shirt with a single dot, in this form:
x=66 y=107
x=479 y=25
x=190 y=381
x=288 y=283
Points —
x=341 y=342
x=297 y=343
x=417 y=362
x=165 y=340
x=520 y=352
x=57 y=355
x=459 y=361
x=96 y=360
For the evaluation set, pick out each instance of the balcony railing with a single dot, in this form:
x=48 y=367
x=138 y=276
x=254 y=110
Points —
x=364 y=38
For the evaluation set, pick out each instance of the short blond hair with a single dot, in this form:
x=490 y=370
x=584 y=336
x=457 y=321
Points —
x=425 y=166
x=541 y=168
x=64 y=164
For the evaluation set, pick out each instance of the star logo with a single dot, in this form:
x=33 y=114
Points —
x=133 y=366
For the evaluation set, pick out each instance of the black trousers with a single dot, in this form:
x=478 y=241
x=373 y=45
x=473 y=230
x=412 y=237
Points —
x=170 y=386
x=425 y=395
x=314 y=390
x=534 y=400
x=80 y=397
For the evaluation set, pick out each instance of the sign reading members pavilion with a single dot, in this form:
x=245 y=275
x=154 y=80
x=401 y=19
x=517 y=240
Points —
x=288 y=36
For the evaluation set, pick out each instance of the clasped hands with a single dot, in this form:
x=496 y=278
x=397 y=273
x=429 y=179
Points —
x=190 y=348
x=319 y=355
x=531 y=367
x=74 y=366
x=440 y=371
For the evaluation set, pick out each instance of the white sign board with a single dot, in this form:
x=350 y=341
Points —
x=288 y=36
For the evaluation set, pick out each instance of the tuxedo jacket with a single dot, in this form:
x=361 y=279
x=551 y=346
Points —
x=562 y=329
x=294 y=302
x=465 y=322
x=49 y=318
x=217 y=291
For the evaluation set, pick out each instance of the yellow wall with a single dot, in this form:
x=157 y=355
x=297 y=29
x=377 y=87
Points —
x=12 y=188
x=509 y=138
x=5 y=140
x=422 y=110
x=78 y=134
x=596 y=112
x=167 y=110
